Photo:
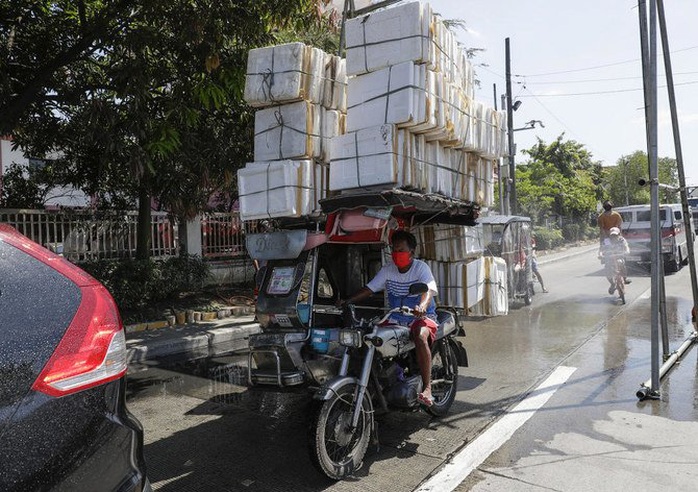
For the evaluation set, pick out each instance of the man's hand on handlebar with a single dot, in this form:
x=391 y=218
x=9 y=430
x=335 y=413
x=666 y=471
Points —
x=419 y=311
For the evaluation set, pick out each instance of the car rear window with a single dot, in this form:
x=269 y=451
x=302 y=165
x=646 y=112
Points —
x=644 y=215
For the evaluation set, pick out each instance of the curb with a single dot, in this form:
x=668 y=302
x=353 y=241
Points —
x=192 y=317
x=191 y=341
x=563 y=256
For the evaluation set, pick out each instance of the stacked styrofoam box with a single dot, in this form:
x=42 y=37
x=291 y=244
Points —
x=408 y=72
x=301 y=95
x=495 y=301
x=448 y=242
x=460 y=284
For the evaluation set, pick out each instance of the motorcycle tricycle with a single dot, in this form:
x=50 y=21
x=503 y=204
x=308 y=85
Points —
x=353 y=362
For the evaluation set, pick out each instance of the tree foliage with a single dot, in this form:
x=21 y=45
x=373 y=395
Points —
x=559 y=179
x=621 y=181
x=142 y=99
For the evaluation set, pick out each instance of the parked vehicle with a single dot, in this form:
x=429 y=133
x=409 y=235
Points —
x=509 y=236
x=352 y=367
x=636 y=230
x=64 y=424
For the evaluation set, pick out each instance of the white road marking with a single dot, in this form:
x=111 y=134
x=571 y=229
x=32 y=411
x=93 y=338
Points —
x=474 y=454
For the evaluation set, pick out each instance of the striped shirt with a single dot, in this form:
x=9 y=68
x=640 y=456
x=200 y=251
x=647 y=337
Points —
x=397 y=286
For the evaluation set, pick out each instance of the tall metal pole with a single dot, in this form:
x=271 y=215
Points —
x=625 y=179
x=647 y=53
x=655 y=231
x=510 y=131
x=677 y=147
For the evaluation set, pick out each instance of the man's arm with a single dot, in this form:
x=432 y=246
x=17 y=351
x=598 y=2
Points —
x=421 y=309
x=364 y=293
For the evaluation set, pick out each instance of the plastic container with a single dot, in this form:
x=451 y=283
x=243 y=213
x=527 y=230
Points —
x=320 y=340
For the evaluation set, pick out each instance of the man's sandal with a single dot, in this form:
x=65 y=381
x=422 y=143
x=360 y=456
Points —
x=425 y=400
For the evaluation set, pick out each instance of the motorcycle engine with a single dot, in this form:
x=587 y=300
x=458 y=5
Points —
x=402 y=390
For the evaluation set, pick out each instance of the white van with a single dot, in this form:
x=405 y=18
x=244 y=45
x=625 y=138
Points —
x=636 y=230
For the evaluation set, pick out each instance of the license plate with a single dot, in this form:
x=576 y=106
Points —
x=632 y=258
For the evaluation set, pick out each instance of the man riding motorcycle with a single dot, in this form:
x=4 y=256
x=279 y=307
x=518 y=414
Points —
x=396 y=279
x=615 y=244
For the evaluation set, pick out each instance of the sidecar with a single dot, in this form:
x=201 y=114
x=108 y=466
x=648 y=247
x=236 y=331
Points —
x=306 y=267
x=509 y=237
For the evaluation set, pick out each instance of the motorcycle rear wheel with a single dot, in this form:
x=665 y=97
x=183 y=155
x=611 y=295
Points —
x=335 y=449
x=444 y=377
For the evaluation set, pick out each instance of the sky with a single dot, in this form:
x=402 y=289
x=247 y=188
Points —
x=577 y=69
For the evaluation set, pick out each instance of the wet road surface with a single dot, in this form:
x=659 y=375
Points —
x=206 y=431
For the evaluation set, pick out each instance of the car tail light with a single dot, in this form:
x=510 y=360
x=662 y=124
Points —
x=92 y=350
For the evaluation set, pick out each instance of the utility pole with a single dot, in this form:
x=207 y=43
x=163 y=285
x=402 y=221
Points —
x=499 y=162
x=625 y=179
x=510 y=132
x=648 y=44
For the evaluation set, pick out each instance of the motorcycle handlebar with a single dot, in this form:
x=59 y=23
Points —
x=360 y=322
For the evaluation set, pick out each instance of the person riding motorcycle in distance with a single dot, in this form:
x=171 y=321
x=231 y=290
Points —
x=615 y=244
x=608 y=220
x=395 y=278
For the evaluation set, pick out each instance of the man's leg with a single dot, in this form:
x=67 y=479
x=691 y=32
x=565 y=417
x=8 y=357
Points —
x=421 y=335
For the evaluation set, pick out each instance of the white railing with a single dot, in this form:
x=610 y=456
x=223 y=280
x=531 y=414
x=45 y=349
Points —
x=223 y=235
x=86 y=235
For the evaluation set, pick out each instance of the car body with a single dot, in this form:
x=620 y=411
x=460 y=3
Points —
x=636 y=230
x=64 y=424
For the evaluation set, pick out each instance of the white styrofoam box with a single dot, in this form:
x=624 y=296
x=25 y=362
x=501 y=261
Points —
x=367 y=158
x=332 y=124
x=496 y=299
x=389 y=37
x=276 y=189
x=335 y=83
x=428 y=103
x=385 y=96
x=440 y=174
x=284 y=73
x=289 y=131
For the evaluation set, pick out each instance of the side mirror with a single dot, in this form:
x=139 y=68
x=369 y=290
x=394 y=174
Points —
x=418 y=288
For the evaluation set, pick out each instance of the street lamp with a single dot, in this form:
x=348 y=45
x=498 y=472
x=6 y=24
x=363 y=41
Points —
x=530 y=125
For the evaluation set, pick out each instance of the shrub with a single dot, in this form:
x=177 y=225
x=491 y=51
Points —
x=548 y=238
x=136 y=283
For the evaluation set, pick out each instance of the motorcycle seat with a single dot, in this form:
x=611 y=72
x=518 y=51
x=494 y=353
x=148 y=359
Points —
x=446 y=323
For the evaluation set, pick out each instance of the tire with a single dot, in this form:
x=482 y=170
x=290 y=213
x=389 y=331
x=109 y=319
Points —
x=444 y=367
x=527 y=298
x=334 y=451
x=672 y=266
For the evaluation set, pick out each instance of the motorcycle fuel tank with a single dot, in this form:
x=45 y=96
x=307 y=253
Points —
x=394 y=340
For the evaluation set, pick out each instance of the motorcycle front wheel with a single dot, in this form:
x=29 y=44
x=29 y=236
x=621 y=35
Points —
x=444 y=377
x=336 y=449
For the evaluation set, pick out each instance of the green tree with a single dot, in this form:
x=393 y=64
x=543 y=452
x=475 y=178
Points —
x=621 y=180
x=143 y=101
x=560 y=179
x=23 y=187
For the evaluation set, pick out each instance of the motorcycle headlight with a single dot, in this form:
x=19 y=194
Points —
x=350 y=338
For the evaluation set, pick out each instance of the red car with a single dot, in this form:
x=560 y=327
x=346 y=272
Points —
x=64 y=424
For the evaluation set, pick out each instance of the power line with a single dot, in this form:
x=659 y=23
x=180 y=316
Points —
x=564 y=125
x=617 y=91
x=613 y=79
x=635 y=60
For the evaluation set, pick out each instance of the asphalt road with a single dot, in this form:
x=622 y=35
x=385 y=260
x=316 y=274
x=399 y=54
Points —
x=206 y=431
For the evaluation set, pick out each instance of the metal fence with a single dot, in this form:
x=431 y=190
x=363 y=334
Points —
x=223 y=235
x=86 y=235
